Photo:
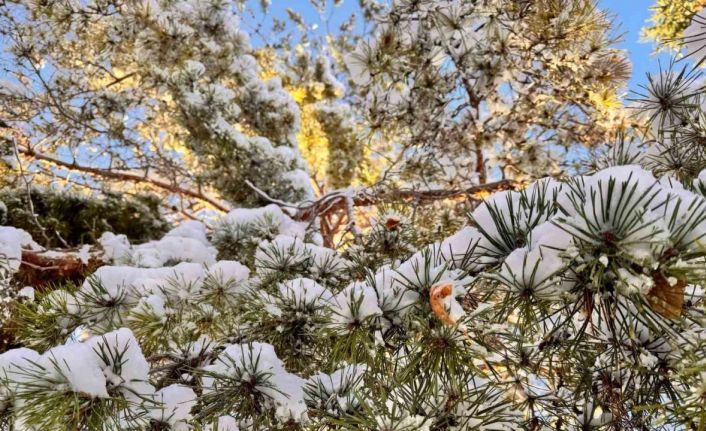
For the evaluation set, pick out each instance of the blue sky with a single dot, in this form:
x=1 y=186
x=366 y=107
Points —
x=630 y=17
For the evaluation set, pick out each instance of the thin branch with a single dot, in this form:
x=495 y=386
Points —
x=352 y=226
x=28 y=188
x=339 y=199
x=125 y=176
x=40 y=270
x=267 y=197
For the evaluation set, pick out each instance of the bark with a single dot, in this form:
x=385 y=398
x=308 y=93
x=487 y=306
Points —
x=338 y=201
x=41 y=272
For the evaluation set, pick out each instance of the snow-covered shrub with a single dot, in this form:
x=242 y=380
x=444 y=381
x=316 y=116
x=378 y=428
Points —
x=63 y=218
x=240 y=232
x=563 y=303
x=558 y=302
x=12 y=241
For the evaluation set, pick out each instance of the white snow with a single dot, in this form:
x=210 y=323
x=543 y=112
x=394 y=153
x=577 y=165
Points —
x=12 y=364
x=694 y=37
x=596 y=209
x=630 y=283
x=686 y=214
x=228 y=271
x=155 y=254
x=116 y=247
x=283 y=249
x=325 y=260
x=701 y=179
x=75 y=367
x=122 y=280
x=507 y=215
x=459 y=247
x=300 y=180
x=12 y=240
x=285 y=390
x=354 y=304
x=26 y=292
x=225 y=423
x=358 y=62
x=305 y=292
x=339 y=386
x=190 y=229
x=185 y=243
x=394 y=296
x=132 y=368
x=174 y=406
x=528 y=270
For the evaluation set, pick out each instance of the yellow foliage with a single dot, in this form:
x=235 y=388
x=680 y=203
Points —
x=371 y=167
x=481 y=194
x=313 y=142
x=669 y=20
x=266 y=59
x=605 y=99
x=299 y=94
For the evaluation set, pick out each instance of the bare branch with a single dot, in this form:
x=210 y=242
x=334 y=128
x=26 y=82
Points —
x=338 y=200
x=125 y=176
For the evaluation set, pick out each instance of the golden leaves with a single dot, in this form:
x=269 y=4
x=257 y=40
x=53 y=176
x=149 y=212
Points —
x=606 y=99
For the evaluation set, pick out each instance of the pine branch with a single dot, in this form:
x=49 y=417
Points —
x=341 y=199
x=28 y=151
x=337 y=200
x=125 y=176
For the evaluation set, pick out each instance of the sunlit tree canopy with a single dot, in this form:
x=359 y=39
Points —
x=383 y=215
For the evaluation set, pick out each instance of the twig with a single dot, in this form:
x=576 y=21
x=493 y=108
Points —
x=268 y=198
x=339 y=200
x=29 y=191
x=355 y=230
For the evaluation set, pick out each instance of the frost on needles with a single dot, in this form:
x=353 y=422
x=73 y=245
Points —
x=562 y=298
x=568 y=302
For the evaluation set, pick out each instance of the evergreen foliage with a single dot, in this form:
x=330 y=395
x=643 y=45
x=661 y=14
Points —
x=560 y=301
x=574 y=302
x=63 y=219
x=670 y=19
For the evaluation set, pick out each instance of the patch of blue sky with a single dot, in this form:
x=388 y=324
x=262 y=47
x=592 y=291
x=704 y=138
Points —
x=630 y=17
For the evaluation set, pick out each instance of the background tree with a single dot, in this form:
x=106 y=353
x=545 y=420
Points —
x=63 y=100
x=166 y=96
x=670 y=19
x=472 y=90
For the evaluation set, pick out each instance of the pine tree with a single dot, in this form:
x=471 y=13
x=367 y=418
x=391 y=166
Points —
x=466 y=88
x=165 y=95
x=670 y=19
x=573 y=302
x=569 y=303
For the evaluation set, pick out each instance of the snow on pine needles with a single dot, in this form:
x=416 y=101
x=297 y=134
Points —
x=553 y=304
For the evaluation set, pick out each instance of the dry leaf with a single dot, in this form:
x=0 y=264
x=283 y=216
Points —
x=392 y=222
x=665 y=299
x=437 y=294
